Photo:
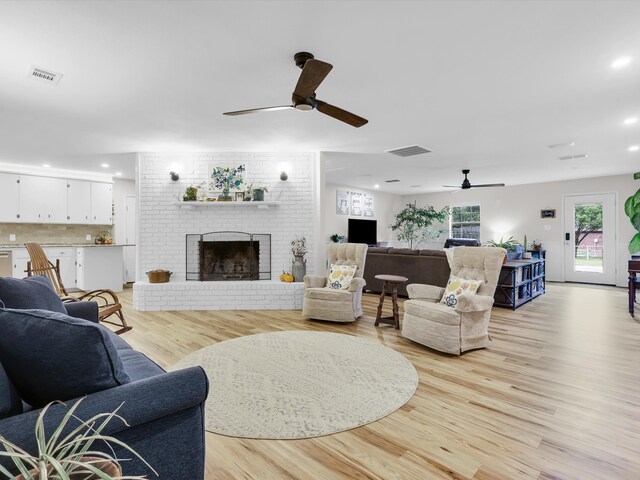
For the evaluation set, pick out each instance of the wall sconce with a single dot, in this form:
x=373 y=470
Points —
x=174 y=176
x=283 y=176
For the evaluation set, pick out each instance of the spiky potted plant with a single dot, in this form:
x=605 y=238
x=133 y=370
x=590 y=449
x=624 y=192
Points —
x=68 y=454
x=511 y=245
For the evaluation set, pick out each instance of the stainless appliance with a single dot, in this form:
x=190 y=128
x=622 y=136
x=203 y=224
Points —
x=5 y=263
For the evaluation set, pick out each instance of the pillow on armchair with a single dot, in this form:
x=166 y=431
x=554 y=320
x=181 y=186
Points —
x=457 y=286
x=340 y=276
x=51 y=356
x=30 y=292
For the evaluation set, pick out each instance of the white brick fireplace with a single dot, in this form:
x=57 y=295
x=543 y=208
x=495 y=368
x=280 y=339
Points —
x=163 y=225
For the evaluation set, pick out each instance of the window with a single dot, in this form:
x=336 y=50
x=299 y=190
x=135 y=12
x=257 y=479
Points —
x=465 y=222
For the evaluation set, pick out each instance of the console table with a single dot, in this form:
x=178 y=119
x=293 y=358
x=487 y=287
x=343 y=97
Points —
x=520 y=281
x=634 y=267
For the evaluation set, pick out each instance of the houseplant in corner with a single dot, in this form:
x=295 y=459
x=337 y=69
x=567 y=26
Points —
x=415 y=223
x=632 y=209
x=68 y=454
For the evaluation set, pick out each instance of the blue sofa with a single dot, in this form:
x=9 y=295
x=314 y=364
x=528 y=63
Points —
x=164 y=410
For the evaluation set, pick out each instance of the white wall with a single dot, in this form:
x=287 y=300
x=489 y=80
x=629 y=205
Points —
x=385 y=206
x=162 y=226
x=515 y=211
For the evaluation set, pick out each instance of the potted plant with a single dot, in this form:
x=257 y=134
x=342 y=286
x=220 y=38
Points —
x=226 y=179
x=632 y=210
x=258 y=193
x=335 y=238
x=299 y=265
x=69 y=455
x=190 y=194
x=414 y=223
x=511 y=245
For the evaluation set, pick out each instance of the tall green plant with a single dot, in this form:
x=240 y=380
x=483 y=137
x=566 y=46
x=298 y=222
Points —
x=632 y=209
x=412 y=224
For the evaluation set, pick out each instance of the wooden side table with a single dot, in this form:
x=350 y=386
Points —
x=390 y=281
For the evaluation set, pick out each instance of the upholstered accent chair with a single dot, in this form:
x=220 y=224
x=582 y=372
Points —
x=336 y=305
x=455 y=330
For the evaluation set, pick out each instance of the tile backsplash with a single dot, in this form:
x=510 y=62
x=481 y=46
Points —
x=61 y=234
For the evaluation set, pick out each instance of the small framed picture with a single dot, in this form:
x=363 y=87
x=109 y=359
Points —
x=548 y=213
x=239 y=196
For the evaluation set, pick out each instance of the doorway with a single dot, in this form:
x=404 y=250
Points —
x=590 y=238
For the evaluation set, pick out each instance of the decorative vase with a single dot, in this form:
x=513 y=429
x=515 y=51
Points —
x=225 y=197
x=298 y=268
x=258 y=195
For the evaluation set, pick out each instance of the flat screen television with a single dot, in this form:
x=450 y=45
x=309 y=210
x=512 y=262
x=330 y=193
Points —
x=362 y=231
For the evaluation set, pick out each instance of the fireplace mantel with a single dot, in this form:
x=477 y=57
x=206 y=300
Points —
x=192 y=205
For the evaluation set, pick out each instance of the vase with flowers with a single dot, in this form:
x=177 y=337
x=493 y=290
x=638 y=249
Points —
x=227 y=179
x=299 y=265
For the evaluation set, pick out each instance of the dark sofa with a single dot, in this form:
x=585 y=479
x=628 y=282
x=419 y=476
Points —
x=164 y=410
x=419 y=266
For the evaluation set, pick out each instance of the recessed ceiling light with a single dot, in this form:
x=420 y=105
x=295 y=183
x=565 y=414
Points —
x=634 y=148
x=376 y=186
x=105 y=165
x=621 y=62
x=560 y=145
x=630 y=121
x=573 y=157
x=46 y=165
x=119 y=174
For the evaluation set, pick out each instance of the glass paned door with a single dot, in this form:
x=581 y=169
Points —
x=590 y=247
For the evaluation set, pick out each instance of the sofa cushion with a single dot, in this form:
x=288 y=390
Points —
x=432 y=253
x=30 y=292
x=435 y=312
x=138 y=366
x=377 y=250
x=51 y=356
x=10 y=403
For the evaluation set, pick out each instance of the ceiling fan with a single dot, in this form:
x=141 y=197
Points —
x=466 y=184
x=304 y=96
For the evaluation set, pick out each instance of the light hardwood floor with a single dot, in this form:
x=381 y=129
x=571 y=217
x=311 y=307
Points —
x=556 y=395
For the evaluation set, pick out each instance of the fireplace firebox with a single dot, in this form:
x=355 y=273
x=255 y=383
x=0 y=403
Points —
x=225 y=256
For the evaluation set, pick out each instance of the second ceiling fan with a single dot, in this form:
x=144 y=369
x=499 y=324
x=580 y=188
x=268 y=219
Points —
x=466 y=184
x=304 y=95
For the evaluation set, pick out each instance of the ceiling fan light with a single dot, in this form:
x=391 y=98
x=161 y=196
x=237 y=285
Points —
x=303 y=107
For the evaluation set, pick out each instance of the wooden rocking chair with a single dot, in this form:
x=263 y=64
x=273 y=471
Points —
x=107 y=300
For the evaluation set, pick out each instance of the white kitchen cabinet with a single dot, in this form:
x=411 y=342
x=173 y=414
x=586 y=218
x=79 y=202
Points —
x=67 y=257
x=20 y=257
x=9 y=197
x=78 y=202
x=99 y=268
x=101 y=203
x=42 y=199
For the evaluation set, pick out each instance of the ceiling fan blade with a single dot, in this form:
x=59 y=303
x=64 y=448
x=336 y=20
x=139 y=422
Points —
x=256 y=110
x=488 y=185
x=313 y=73
x=340 y=114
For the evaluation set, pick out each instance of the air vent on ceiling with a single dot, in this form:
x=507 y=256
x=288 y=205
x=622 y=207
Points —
x=43 y=75
x=409 y=151
x=573 y=157
x=392 y=181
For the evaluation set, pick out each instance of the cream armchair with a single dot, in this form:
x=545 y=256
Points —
x=465 y=327
x=324 y=303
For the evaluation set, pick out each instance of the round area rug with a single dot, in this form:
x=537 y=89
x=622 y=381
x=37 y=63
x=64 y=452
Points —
x=299 y=384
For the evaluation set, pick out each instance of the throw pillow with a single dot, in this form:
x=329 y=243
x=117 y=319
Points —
x=457 y=286
x=340 y=276
x=50 y=356
x=30 y=292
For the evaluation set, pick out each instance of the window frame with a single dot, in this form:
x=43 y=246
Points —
x=479 y=222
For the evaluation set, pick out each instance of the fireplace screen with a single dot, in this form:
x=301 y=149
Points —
x=228 y=256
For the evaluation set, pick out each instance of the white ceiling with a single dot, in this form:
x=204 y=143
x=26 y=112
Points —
x=486 y=85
